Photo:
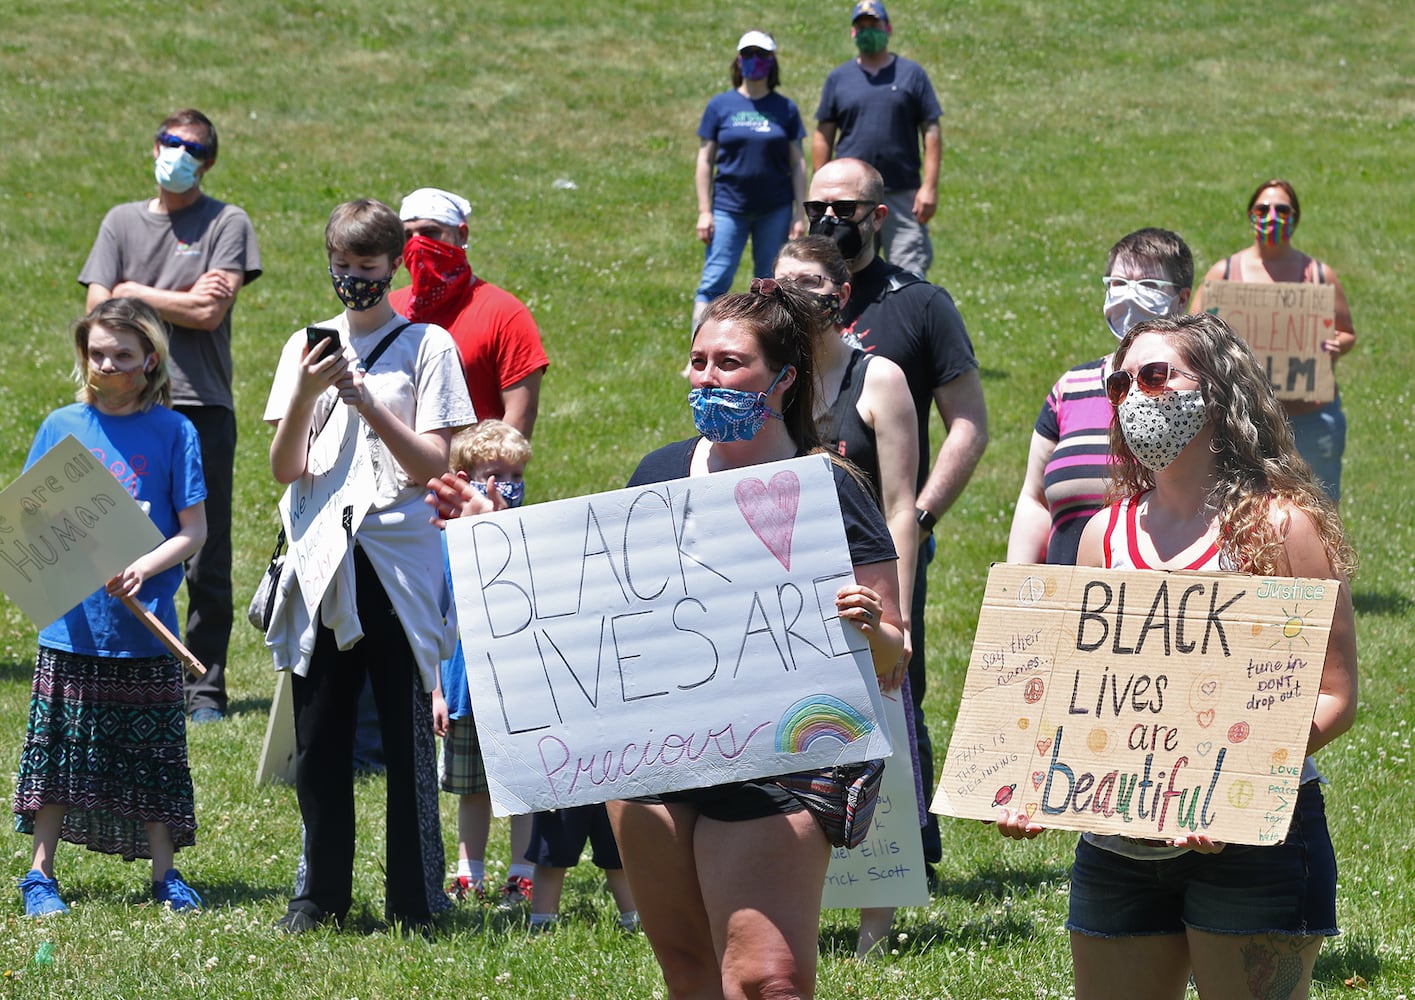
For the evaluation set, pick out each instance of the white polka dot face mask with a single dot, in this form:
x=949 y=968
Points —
x=1157 y=428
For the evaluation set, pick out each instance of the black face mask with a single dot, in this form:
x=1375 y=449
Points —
x=846 y=235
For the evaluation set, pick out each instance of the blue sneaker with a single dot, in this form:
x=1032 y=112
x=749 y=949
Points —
x=41 y=895
x=176 y=893
x=203 y=715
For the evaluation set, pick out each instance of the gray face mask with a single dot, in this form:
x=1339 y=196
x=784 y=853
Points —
x=1127 y=305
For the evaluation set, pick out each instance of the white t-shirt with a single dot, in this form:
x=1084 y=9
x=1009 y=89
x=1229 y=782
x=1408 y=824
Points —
x=419 y=378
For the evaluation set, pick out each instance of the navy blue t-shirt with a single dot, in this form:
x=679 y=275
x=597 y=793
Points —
x=754 y=141
x=878 y=117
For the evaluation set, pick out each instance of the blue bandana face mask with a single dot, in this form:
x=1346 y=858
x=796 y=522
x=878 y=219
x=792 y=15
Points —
x=513 y=493
x=359 y=294
x=724 y=415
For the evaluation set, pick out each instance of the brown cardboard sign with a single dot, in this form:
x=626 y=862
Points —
x=1284 y=323
x=1143 y=703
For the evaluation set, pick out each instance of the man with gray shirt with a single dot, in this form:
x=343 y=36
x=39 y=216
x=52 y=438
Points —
x=187 y=255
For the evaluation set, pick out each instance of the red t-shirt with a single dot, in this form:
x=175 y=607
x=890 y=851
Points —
x=496 y=337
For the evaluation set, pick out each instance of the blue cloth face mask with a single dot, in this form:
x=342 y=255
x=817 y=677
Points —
x=513 y=493
x=724 y=415
x=176 y=169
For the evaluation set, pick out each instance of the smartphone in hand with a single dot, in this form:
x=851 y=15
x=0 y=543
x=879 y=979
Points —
x=315 y=334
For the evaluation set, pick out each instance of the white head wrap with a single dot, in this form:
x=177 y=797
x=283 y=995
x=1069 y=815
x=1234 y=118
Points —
x=437 y=205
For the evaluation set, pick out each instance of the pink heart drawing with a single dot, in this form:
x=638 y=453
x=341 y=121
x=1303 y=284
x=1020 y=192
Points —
x=1326 y=322
x=1037 y=777
x=1205 y=718
x=1043 y=746
x=770 y=511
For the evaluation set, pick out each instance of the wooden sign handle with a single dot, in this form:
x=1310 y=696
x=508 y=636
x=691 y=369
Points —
x=169 y=640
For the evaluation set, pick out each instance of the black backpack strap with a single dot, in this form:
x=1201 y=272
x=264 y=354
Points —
x=383 y=345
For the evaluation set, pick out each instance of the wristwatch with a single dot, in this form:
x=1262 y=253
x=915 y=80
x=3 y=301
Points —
x=926 y=520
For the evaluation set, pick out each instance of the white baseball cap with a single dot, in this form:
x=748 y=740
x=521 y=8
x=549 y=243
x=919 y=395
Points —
x=756 y=40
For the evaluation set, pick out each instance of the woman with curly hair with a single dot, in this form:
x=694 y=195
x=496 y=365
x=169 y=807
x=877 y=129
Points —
x=1206 y=477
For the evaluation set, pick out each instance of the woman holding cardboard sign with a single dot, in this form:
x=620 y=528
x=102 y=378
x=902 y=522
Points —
x=1208 y=478
x=1273 y=212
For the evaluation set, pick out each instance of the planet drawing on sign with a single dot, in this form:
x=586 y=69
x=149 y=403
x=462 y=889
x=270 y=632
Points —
x=819 y=717
x=1004 y=795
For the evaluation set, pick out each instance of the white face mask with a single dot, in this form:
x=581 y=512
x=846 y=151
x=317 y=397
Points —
x=1158 y=428
x=1129 y=304
x=176 y=169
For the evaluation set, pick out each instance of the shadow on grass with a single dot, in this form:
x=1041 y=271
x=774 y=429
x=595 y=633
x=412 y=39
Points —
x=1386 y=602
x=1347 y=956
x=12 y=672
x=240 y=706
x=993 y=374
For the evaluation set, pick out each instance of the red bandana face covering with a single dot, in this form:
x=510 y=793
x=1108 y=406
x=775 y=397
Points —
x=440 y=274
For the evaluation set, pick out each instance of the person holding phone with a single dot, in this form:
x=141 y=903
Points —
x=386 y=614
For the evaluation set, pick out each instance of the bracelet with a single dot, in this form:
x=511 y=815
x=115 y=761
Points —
x=926 y=520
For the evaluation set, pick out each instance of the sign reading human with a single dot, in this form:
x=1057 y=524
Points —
x=1284 y=323
x=67 y=526
x=1142 y=703
x=676 y=635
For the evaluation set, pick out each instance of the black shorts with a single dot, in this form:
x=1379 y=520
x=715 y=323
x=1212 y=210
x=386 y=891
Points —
x=735 y=802
x=558 y=837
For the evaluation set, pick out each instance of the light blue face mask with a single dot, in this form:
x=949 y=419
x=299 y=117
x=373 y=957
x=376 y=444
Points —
x=176 y=169
x=513 y=493
x=723 y=415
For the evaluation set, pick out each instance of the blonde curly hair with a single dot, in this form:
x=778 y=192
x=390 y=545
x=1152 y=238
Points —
x=1257 y=461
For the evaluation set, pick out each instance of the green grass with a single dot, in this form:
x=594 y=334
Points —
x=1066 y=126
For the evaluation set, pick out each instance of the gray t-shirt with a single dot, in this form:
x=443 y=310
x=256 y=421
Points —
x=172 y=252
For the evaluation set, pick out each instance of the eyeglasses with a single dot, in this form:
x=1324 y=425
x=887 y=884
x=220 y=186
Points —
x=810 y=282
x=1152 y=379
x=1153 y=284
x=199 y=150
x=844 y=210
x=1261 y=210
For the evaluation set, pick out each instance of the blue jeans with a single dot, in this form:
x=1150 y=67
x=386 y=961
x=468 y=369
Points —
x=729 y=238
x=1321 y=439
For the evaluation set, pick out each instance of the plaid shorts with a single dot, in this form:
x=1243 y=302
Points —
x=463 y=770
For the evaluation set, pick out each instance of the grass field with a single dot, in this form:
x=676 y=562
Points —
x=1066 y=126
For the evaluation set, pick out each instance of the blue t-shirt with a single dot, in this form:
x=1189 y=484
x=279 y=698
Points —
x=753 y=150
x=157 y=458
x=454 y=668
x=879 y=117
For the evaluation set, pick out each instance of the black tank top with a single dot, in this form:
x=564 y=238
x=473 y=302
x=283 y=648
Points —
x=844 y=431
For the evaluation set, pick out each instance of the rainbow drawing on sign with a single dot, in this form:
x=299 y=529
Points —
x=817 y=717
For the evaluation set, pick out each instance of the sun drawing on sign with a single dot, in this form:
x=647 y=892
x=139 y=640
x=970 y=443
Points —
x=1292 y=628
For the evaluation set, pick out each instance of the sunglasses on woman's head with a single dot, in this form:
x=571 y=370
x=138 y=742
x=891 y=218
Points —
x=1152 y=379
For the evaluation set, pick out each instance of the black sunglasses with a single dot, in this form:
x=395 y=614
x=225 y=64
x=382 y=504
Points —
x=197 y=149
x=1152 y=379
x=1261 y=209
x=844 y=210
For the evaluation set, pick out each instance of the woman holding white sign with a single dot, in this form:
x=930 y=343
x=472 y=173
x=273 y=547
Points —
x=104 y=762
x=1208 y=478
x=728 y=879
x=1273 y=212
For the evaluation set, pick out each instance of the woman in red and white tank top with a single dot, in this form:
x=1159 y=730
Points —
x=1206 y=477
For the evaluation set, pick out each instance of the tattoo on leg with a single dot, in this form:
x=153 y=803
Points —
x=1273 y=965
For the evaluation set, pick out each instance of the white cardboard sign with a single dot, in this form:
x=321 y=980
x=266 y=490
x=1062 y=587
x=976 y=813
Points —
x=676 y=635
x=887 y=869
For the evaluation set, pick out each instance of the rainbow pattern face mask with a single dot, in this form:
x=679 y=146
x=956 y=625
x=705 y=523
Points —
x=1272 y=230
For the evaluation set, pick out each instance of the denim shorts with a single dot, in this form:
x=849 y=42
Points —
x=1288 y=888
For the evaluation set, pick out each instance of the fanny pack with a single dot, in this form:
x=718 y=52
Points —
x=842 y=799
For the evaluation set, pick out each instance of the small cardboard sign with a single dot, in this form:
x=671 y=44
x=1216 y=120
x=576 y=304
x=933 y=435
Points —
x=1284 y=322
x=67 y=526
x=1141 y=703
x=887 y=869
x=322 y=510
x=675 y=635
